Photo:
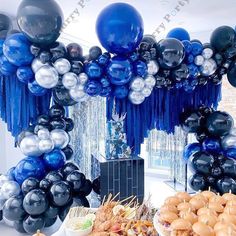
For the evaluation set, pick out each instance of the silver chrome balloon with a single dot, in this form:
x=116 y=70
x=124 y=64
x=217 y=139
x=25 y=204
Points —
x=47 y=77
x=43 y=134
x=69 y=80
x=29 y=146
x=77 y=93
x=150 y=81
x=46 y=145
x=136 y=97
x=207 y=53
x=62 y=66
x=10 y=189
x=37 y=64
x=60 y=138
x=83 y=78
x=146 y=91
x=228 y=141
x=199 y=60
x=209 y=67
x=8 y=222
x=153 y=67
x=137 y=84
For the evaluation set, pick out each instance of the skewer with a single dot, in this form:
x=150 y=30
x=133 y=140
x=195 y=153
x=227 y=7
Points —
x=115 y=196
x=124 y=200
x=103 y=200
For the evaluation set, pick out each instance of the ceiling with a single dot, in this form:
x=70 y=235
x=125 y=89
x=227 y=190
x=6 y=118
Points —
x=199 y=17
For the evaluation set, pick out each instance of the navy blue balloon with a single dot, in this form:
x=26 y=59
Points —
x=211 y=145
x=29 y=167
x=24 y=74
x=36 y=89
x=16 y=49
x=6 y=68
x=120 y=70
x=54 y=160
x=93 y=70
x=187 y=46
x=191 y=149
x=179 y=33
x=106 y=92
x=140 y=68
x=231 y=152
x=121 y=92
x=93 y=88
x=120 y=28
x=11 y=173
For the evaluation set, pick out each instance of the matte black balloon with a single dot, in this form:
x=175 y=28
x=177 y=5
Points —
x=201 y=162
x=62 y=97
x=57 y=50
x=13 y=209
x=60 y=193
x=43 y=120
x=77 y=180
x=68 y=151
x=219 y=123
x=95 y=52
x=35 y=49
x=18 y=226
x=35 y=202
x=192 y=123
x=57 y=111
x=33 y=223
x=229 y=167
x=58 y=123
x=54 y=176
x=75 y=51
x=216 y=171
x=77 y=67
x=231 y=74
x=45 y=57
x=68 y=168
x=226 y=185
x=41 y=21
x=96 y=185
x=86 y=189
x=50 y=222
x=222 y=38
x=197 y=182
x=181 y=72
x=5 y=22
x=69 y=124
x=29 y=184
x=51 y=212
x=45 y=185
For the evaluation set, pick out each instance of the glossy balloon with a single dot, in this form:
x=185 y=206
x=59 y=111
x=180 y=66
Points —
x=192 y=122
x=62 y=66
x=10 y=175
x=229 y=167
x=121 y=92
x=45 y=185
x=54 y=176
x=10 y=189
x=96 y=185
x=68 y=168
x=5 y=22
x=54 y=160
x=29 y=184
x=33 y=223
x=76 y=179
x=36 y=89
x=75 y=51
x=29 y=146
x=58 y=123
x=136 y=97
x=68 y=151
x=69 y=80
x=37 y=64
x=93 y=70
x=6 y=68
x=231 y=74
x=231 y=152
x=211 y=145
x=51 y=212
x=153 y=67
x=18 y=226
x=137 y=84
x=179 y=33
x=44 y=133
x=140 y=68
x=78 y=92
x=95 y=52
x=197 y=182
x=24 y=74
x=191 y=149
x=86 y=189
x=228 y=142
x=226 y=185
x=93 y=88
x=60 y=138
x=62 y=97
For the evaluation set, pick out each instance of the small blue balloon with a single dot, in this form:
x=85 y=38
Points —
x=93 y=70
x=178 y=85
x=211 y=145
x=103 y=60
x=119 y=28
x=191 y=149
x=193 y=70
x=16 y=49
x=231 y=152
x=29 y=167
x=190 y=59
x=120 y=70
x=6 y=68
x=106 y=91
x=11 y=173
x=93 y=88
x=134 y=56
x=187 y=46
x=121 y=92
x=105 y=82
x=197 y=48
x=36 y=89
x=140 y=68
x=54 y=160
x=1 y=46
x=179 y=33
x=25 y=74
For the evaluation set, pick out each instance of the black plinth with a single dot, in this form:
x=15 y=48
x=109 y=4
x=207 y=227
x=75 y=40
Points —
x=124 y=176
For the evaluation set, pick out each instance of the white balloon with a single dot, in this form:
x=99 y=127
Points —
x=60 y=138
x=83 y=78
x=207 y=53
x=10 y=189
x=153 y=67
x=70 y=80
x=37 y=64
x=137 y=84
x=47 y=77
x=199 y=60
x=43 y=134
x=29 y=146
x=150 y=81
x=78 y=93
x=136 y=97
x=146 y=92
x=46 y=145
x=62 y=66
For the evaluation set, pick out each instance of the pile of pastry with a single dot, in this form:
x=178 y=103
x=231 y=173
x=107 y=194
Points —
x=203 y=214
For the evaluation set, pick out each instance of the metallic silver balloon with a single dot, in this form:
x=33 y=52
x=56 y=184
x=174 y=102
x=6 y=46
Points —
x=29 y=146
x=228 y=141
x=233 y=131
x=46 y=145
x=209 y=67
x=10 y=189
x=137 y=84
x=77 y=93
x=60 y=138
x=146 y=91
x=3 y=180
x=37 y=64
x=207 y=53
x=153 y=67
x=69 y=80
x=47 y=77
x=136 y=97
x=62 y=66
x=8 y=222
x=83 y=78
x=150 y=81
x=199 y=60
x=43 y=134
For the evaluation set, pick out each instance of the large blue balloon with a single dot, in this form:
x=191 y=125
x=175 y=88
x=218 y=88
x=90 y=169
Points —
x=93 y=88
x=16 y=49
x=211 y=145
x=120 y=28
x=25 y=74
x=54 y=160
x=36 y=89
x=6 y=68
x=29 y=167
x=191 y=149
x=178 y=33
x=120 y=70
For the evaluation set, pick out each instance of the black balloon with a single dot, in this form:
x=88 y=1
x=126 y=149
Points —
x=35 y=202
x=64 y=211
x=13 y=209
x=60 y=193
x=216 y=171
x=205 y=111
x=5 y=22
x=86 y=189
x=222 y=38
x=231 y=74
x=229 y=167
x=201 y=162
x=57 y=50
x=96 y=185
x=45 y=57
x=35 y=49
x=62 y=97
x=57 y=111
x=50 y=222
x=211 y=181
x=181 y=72
x=45 y=185
x=33 y=223
x=58 y=123
x=54 y=176
x=77 y=66
x=226 y=185
x=29 y=184
x=18 y=226
x=43 y=120
x=192 y=123
x=68 y=151
x=75 y=51
x=94 y=53
x=68 y=168
x=77 y=180
x=219 y=123
x=51 y=212
x=69 y=124
x=197 y=182
x=41 y=21
x=201 y=136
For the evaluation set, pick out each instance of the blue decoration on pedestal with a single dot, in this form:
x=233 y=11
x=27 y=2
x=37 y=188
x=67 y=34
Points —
x=54 y=160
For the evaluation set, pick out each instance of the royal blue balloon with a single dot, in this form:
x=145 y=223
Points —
x=54 y=160
x=231 y=152
x=179 y=33
x=36 y=89
x=105 y=82
x=120 y=28
x=93 y=70
x=11 y=174
x=140 y=68
x=104 y=59
x=25 y=74
x=1 y=46
x=106 y=91
x=187 y=46
x=29 y=167
x=191 y=149
x=120 y=92
x=6 y=68
x=190 y=59
x=193 y=70
x=197 y=48
x=120 y=70
x=93 y=88
x=211 y=145
x=16 y=49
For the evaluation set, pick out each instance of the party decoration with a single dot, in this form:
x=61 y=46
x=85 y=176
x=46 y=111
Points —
x=179 y=33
